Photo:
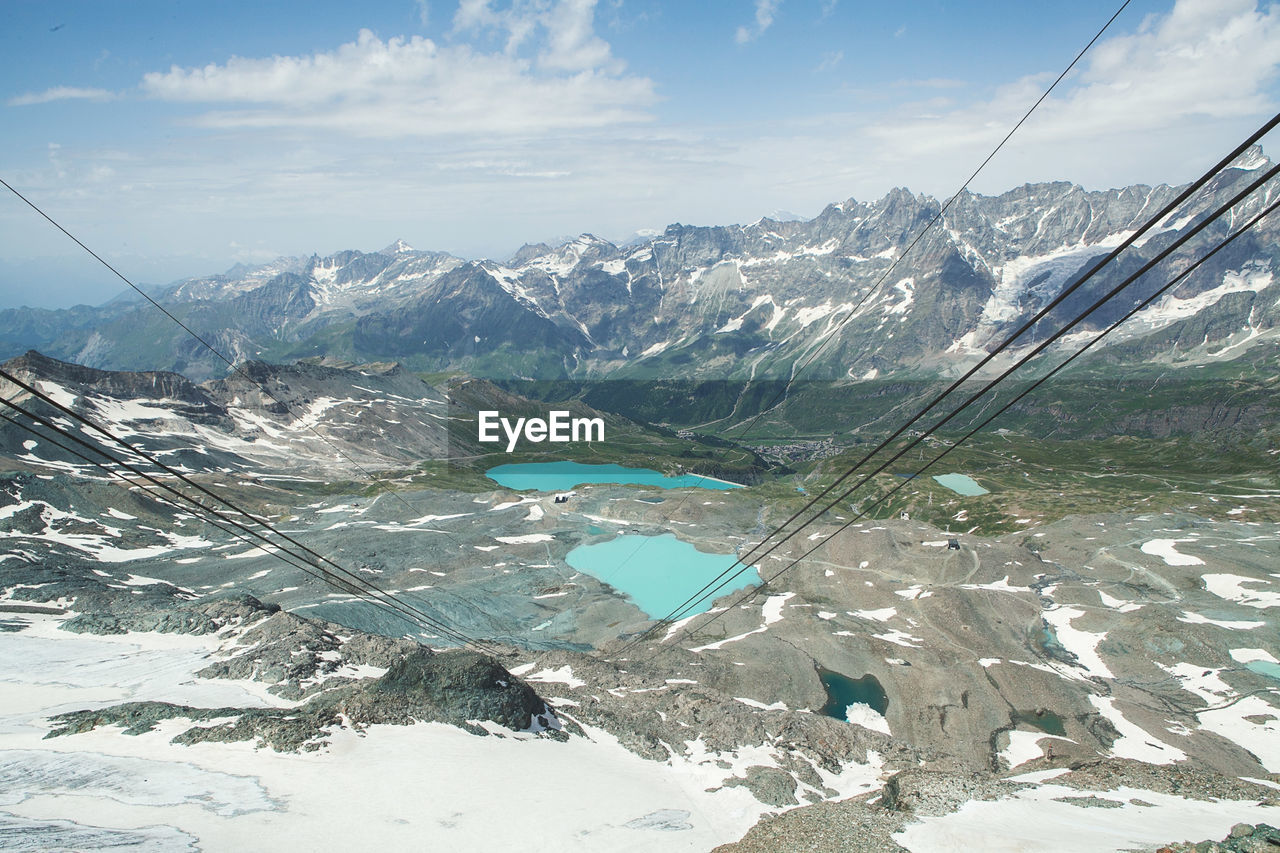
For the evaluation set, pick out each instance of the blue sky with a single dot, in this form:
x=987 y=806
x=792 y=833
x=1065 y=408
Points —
x=179 y=138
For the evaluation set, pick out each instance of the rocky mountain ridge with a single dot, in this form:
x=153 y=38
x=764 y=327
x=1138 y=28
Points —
x=296 y=418
x=716 y=302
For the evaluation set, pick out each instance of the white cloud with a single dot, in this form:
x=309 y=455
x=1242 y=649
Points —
x=520 y=20
x=424 y=12
x=829 y=61
x=473 y=14
x=574 y=45
x=60 y=93
x=1213 y=57
x=519 y=135
x=1206 y=58
x=568 y=27
x=415 y=87
x=765 y=10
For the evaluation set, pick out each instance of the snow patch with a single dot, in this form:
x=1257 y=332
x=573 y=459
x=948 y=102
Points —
x=862 y=714
x=1236 y=588
x=1164 y=549
x=1135 y=742
x=1025 y=746
x=1082 y=644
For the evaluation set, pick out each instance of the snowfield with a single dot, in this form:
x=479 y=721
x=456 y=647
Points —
x=424 y=786
x=1043 y=819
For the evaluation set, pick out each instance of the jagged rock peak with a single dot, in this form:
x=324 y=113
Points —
x=1253 y=158
x=399 y=247
x=528 y=252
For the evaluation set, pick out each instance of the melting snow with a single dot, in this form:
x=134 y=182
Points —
x=1233 y=588
x=1164 y=549
x=1252 y=655
x=771 y=610
x=428 y=518
x=655 y=349
x=1043 y=819
x=900 y=638
x=1001 y=585
x=807 y=316
x=1025 y=746
x=1116 y=603
x=1230 y=624
x=1170 y=309
x=560 y=675
x=1226 y=713
x=1134 y=742
x=907 y=288
x=775 y=706
x=1082 y=644
x=862 y=714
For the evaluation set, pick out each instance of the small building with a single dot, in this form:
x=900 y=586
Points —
x=563 y=497
x=953 y=544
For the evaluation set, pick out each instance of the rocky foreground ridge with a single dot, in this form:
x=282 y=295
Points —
x=337 y=678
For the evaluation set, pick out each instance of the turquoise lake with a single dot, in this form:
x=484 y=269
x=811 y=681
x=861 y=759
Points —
x=1264 y=667
x=657 y=573
x=961 y=484
x=562 y=476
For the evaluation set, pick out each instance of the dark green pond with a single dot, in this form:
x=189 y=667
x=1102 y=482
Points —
x=1046 y=721
x=843 y=691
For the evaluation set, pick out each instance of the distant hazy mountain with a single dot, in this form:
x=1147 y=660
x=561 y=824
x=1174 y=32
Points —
x=709 y=302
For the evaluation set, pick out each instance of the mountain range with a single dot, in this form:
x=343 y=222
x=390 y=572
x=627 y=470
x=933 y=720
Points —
x=732 y=302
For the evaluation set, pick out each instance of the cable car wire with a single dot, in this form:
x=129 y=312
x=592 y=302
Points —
x=361 y=585
x=1182 y=197
x=238 y=369
x=863 y=512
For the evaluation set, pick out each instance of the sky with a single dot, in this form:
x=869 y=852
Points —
x=179 y=138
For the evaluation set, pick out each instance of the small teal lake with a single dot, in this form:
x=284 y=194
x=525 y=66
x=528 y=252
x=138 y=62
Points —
x=562 y=476
x=657 y=573
x=1264 y=667
x=961 y=484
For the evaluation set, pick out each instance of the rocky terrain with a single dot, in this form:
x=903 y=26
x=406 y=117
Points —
x=1006 y=684
x=1115 y=661
x=1244 y=838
